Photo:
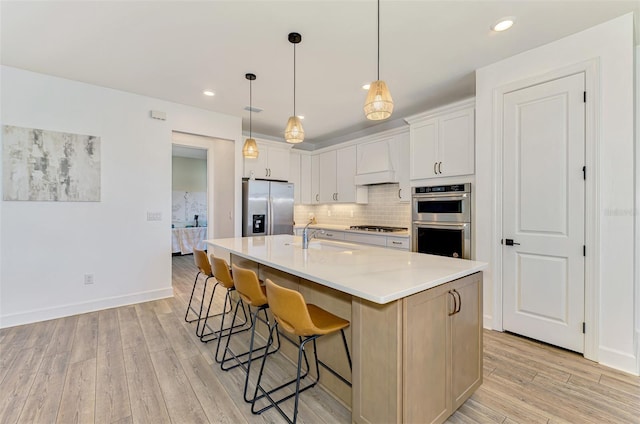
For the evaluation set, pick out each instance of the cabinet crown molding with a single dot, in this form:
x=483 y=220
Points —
x=271 y=143
x=452 y=107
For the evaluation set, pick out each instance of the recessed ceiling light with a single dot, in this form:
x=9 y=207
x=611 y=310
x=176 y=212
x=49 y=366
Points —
x=503 y=24
x=366 y=86
x=209 y=93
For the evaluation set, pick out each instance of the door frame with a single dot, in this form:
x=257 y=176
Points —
x=591 y=70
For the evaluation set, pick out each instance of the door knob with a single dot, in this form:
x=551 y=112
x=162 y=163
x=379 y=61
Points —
x=510 y=242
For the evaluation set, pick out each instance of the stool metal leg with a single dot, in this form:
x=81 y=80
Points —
x=245 y=364
x=301 y=354
x=189 y=307
x=222 y=331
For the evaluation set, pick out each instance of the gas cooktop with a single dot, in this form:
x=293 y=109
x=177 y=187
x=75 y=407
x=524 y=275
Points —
x=377 y=228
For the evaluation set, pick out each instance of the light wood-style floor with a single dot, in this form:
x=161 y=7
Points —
x=143 y=363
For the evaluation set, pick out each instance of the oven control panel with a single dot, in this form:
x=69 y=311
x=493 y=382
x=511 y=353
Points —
x=465 y=188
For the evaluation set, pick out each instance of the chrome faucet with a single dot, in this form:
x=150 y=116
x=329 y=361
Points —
x=306 y=237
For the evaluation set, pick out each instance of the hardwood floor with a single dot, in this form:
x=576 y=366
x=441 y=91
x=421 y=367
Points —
x=143 y=363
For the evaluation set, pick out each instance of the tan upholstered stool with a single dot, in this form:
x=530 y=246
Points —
x=253 y=295
x=204 y=268
x=308 y=322
x=222 y=274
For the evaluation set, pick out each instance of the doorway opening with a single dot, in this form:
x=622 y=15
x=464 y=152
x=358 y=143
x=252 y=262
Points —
x=217 y=202
x=188 y=199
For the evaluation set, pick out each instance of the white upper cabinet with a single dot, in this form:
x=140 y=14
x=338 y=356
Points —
x=401 y=163
x=346 y=190
x=336 y=172
x=328 y=166
x=272 y=162
x=295 y=176
x=442 y=141
x=305 y=179
x=315 y=179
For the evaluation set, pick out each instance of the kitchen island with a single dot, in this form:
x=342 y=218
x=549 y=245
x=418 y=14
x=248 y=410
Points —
x=415 y=334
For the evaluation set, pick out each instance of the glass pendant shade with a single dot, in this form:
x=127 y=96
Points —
x=379 y=104
x=294 y=133
x=250 y=149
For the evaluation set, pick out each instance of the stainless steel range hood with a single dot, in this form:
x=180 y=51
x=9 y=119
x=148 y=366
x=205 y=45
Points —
x=375 y=165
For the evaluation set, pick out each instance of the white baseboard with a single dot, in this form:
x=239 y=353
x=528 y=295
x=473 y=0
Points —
x=619 y=360
x=45 y=314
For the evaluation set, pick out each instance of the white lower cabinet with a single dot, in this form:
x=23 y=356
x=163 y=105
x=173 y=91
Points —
x=403 y=243
x=365 y=239
x=330 y=235
x=377 y=239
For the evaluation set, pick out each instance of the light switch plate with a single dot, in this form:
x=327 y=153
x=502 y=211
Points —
x=154 y=216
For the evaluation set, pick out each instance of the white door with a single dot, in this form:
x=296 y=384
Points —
x=543 y=212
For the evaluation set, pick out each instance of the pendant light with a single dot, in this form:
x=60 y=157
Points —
x=379 y=104
x=250 y=148
x=294 y=133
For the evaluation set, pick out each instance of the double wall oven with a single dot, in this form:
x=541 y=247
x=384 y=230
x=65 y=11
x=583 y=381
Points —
x=441 y=218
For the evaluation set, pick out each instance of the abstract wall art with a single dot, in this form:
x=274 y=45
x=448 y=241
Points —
x=41 y=165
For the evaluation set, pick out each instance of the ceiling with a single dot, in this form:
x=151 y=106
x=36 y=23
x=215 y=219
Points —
x=173 y=50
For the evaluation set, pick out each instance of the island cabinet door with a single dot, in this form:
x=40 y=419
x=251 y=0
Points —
x=426 y=358
x=466 y=338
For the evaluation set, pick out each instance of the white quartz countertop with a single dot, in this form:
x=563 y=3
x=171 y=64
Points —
x=376 y=274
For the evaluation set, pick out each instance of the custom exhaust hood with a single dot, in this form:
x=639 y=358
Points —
x=375 y=164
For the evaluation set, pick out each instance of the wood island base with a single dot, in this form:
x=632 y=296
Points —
x=415 y=359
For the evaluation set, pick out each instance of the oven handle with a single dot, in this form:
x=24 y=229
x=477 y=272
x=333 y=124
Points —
x=454 y=226
x=443 y=225
x=441 y=196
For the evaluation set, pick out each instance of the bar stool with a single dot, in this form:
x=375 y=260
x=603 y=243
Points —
x=222 y=274
x=204 y=268
x=308 y=322
x=254 y=295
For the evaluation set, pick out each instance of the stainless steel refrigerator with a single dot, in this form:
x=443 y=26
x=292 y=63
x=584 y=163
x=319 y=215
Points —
x=267 y=208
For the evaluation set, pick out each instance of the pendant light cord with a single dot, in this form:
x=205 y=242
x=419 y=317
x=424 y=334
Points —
x=294 y=80
x=250 y=107
x=378 y=40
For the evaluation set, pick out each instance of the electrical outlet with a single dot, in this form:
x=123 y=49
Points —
x=351 y=213
x=328 y=212
x=88 y=278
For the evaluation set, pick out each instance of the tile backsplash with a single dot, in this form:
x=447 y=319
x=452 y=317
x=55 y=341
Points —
x=383 y=208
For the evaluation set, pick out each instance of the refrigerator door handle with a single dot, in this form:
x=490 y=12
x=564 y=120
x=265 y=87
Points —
x=269 y=226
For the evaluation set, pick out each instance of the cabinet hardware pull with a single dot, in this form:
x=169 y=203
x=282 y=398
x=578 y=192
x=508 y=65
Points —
x=266 y=172
x=400 y=193
x=455 y=303
x=396 y=242
x=317 y=200
x=440 y=167
x=459 y=300
x=435 y=164
x=336 y=197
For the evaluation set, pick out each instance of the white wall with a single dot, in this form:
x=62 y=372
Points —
x=47 y=247
x=188 y=174
x=611 y=43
